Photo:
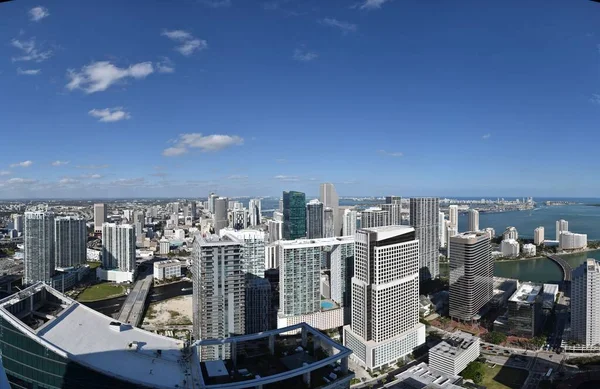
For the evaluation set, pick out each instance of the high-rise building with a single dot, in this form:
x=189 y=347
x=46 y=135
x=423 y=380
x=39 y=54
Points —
x=570 y=240
x=139 y=221
x=374 y=217
x=561 y=226
x=538 y=235
x=424 y=217
x=17 y=222
x=258 y=304
x=385 y=297
x=70 y=238
x=255 y=211
x=218 y=292
x=211 y=202
x=393 y=200
x=38 y=239
x=510 y=233
x=585 y=303
x=349 y=225
x=314 y=219
x=253 y=250
x=99 y=216
x=442 y=230
x=192 y=208
x=525 y=311
x=239 y=218
x=294 y=215
x=450 y=232
x=164 y=246
x=118 y=247
x=471 y=274
x=275 y=228
x=328 y=223
x=330 y=199
x=395 y=213
x=220 y=214
x=473 y=219
x=341 y=258
x=453 y=215
x=491 y=232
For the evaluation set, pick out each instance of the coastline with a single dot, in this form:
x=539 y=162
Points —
x=544 y=256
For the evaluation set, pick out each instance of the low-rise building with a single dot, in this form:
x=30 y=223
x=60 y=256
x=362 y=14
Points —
x=423 y=376
x=452 y=355
x=509 y=248
x=167 y=269
x=529 y=250
x=93 y=255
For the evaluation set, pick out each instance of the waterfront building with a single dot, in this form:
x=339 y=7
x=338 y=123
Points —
x=253 y=250
x=70 y=239
x=218 y=291
x=314 y=219
x=328 y=223
x=510 y=233
x=585 y=303
x=509 y=248
x=374 y=217
x=294 y=215
x=99 y=216
x=254 y=209
x=257 y=304
x=118 y=247
x=538 y=236
x=350 y=218
x=385 y=323
x=424 y=214
x=453 y=215
x=167 y=269
x=471 y=274
x=473 y=217
x=525 y=311
x=571 y=241
x=38 y=240
x=452 y=355
x=491 y=232
x=529 y=250
x=330 y=199
x=451 y=230
x=561 y=226
x=220 y=219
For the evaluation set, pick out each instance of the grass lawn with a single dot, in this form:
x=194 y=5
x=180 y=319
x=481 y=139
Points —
x=101 y=292
x=501 y=377
x=93 y=265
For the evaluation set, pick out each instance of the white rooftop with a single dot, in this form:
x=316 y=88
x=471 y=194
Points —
x=454 y=346
x=301 y=243
x=526 y=293
x=387 y=232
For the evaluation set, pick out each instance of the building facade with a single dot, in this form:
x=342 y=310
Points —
x=525 y=311
x=253 y=250
x=118 y=247
x=70 y=238
x=538 y=236
x=453 y=215
x=570 y=241
x=39 y=255
x=424 y=217
x=329 y=223
x=255 y=212
x=294 y=215
x=314 y=219
x=473 y=218
x=257 y=305
x=349 y=222
x=510 y=233
x=330 y=199
x=220 y=219
x=167 y=269
x=585 y=303
x=561 y=226
x=452 y=355
x=510 y=248
x=374 y=217
x=99 y=216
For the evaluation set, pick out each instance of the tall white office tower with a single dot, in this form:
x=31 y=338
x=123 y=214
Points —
x=329 y=223
x=275 y=228
x=70 y=239
x=385 y=297
x=220 y=214
x=99 y=216
x=349 y=225
x=585 y=303
x=330 y=199
x=374 y=217
x=38 y=239
x=211 y=202
x=473 y=219
x=453 y=215
x=442 y=222
x=561 y=226
x=471 y=274
x=395 y=213
x=538 y=235
x=254 y=208
x=424 y=217
x=17 y=222
x=253 y=249
x=314 y=219
x=218 y=292
x=118 y=247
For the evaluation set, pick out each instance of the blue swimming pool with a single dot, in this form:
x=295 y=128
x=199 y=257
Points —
x=326 y=304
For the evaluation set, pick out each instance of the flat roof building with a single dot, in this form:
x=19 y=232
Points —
x=524 y=310
x=422 y=376
x=452 y=355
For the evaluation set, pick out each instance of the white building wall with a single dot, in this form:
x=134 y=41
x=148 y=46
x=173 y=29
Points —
x=538 y=236
x=509 y=248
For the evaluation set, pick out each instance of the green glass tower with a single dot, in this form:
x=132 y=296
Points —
x=294 y=215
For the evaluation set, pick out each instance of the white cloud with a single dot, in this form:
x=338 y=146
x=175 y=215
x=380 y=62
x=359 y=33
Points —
x=344 y=27
x=188 y=44
x=165 y=66
x=304 y=55
x=22 y=164
x=19 y=181
x=108 y=115
x=390 y=153
x=38 y=13
x=282 y=177
x=216 y=3
x=30 y=51
x=486 y=136
x=4 y=173
x=60 y=163
x=92 y=176
x=207 y=143
x=92 y=167
x=28 y=72
x=99 y=76
x=68 y=181
x=237 y=177
x=595 y=99
x=373 y=4
x=129 y=181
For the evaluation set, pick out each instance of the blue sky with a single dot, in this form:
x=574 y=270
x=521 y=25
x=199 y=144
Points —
x=179 y=98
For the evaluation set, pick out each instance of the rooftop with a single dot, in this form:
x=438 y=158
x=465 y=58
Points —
x=386 y=232
x=423 y=377
x=457 y=344
x=216 y=240
x=526 y=293
x=298 y=243
x=469 y=235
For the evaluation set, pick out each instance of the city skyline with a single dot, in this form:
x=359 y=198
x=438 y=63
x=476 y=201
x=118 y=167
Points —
x=198 y=85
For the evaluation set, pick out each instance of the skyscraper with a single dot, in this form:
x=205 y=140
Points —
x=254 y=209
x=424 y=217
x=70 y=238
x=294 y=215
x=18 y=222
x=118 y=247
x=453 y=215
x=385 y=297
x=585 y=303
x=349 y=225
x=275 y=228
x=220 y=214
x=394 y=213
x=328 y=223
x=192 y=208
x=393 y=200
x=218 y=292
x=538 y=235
x=314 y=219
x=473 y=220
x=38 y=239
x=257 y=305
x=253 y=250
x=330 y=199
x=139 y=221
x=99 y=216
x=443 y=230
x=211 y=202
x=374 y=217
x=471 y=274
x=561 y=226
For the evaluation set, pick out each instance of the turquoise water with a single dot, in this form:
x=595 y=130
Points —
x=326 y=305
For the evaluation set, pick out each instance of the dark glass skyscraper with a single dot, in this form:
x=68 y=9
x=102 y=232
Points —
x=294 y=215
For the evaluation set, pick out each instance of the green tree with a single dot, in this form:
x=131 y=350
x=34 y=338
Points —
x=474 y=371
x=538 y=341
x=495 y=337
